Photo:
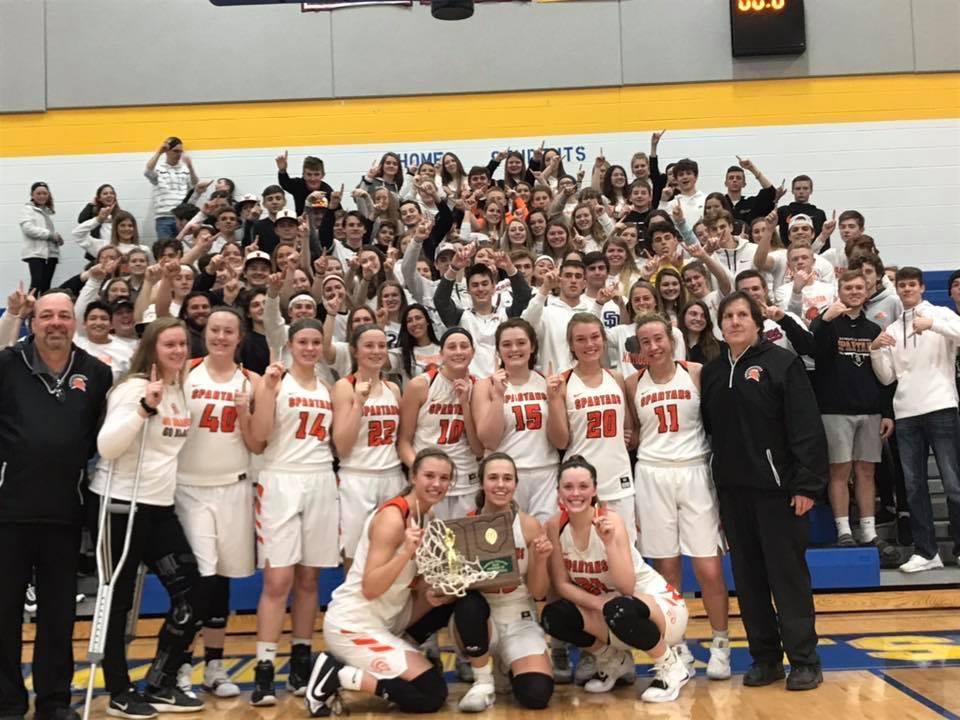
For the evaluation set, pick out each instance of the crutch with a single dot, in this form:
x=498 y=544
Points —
x=106 y=571
x=134 y=615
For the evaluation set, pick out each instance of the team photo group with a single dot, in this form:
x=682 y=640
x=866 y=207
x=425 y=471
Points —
x=627 y=369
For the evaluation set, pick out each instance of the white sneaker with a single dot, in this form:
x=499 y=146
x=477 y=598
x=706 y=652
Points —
x=686 y=657
x=718 y=667
x=618 y=667
x=586 y=668
x=918 y=563
x=479 y=697
x=185 y=681
x=216 y=680
x=671 y=675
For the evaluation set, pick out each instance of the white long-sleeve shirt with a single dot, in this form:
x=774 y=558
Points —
x=119 y=441
x=549 y=317
x=922 y=364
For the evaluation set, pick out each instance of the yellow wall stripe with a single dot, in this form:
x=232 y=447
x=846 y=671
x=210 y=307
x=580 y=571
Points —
x=475 y=116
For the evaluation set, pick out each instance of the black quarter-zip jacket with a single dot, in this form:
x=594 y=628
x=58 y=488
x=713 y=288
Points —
x=48 y=431
x=765 y=427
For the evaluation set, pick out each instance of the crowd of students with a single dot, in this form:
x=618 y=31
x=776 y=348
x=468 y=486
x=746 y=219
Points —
x=644 y=356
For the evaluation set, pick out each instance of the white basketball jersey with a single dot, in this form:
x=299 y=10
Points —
x=518 y=595
x=525 y=411
x=214 y=453
x=596 y=418
x=589 y=569
x=440 y=424
x=349 y=609
x=671 y=427
x=376 y=447
x=300 y=440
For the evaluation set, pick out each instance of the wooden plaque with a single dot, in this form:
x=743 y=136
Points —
x=489 y=539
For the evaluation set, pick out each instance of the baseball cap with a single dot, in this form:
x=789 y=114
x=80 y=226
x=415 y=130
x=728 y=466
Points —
x=286 y=214
x=445 y=247
x=257 y=255
x=800 y=219
x=247 y=198
x=122 y=303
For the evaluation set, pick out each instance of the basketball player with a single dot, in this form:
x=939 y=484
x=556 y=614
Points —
x=611 y=600
x=367 y=415
x=503 y=622
x=213 y=500
x=379 y=606
x=296 y=505
x=435 y=412
x=675 y=501
x=511 y=413
x=589 y=418
x=151 y=394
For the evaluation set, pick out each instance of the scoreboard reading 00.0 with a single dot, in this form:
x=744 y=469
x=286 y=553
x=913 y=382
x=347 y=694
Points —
x=767 y=27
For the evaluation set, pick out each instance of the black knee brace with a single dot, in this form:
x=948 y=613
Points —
x=470 y=615
x=629 y=619
x=562 y=619
x=533 y=690
x=218 y=603
x=434 y=620
x=426 y=693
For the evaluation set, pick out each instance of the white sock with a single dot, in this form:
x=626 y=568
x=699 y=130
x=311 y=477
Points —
x=658 y=659
x=266 y=651
x=484 y=674
x=722 y=634
x=350 y=677
x=868 y=528
x=301 y=641
x=843 y=525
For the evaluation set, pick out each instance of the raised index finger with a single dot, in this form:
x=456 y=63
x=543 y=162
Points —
x=153 y=373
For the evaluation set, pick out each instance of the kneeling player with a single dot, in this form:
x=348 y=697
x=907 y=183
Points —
x=503 y=622
x=376 y=605
x=611 y=600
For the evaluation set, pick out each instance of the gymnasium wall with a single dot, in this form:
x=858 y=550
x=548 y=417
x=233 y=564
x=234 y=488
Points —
x=886 y=145
x=105 y=53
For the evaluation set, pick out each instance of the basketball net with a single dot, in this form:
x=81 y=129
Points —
x=443 y=566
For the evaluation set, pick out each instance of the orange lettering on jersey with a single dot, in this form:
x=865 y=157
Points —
x=597 y=400
x=586 y=567
x=296 y=401
x=662 y=395
x=207 y=394
x=445 y=409
x=381 y=410
x=524 y=397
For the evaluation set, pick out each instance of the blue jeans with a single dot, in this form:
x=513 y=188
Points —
x=166 y=227
x=939 y=430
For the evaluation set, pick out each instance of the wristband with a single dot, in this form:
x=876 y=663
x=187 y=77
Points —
x=146 y=408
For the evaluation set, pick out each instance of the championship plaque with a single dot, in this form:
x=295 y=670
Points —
x=476 y=553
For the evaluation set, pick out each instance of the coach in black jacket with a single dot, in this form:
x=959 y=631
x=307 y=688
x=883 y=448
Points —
x=769 y=465
x=52 y=395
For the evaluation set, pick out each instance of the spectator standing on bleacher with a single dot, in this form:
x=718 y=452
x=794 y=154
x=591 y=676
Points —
x=919 y=353
x=41 y=241
x=857 y=415
x=769 y=466
x=171 y=177
x=52 y=395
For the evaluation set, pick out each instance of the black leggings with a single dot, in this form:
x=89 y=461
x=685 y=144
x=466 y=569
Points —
x=157 y=541
x=41 y=273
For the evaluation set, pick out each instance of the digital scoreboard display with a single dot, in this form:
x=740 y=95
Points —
x=767 y=27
